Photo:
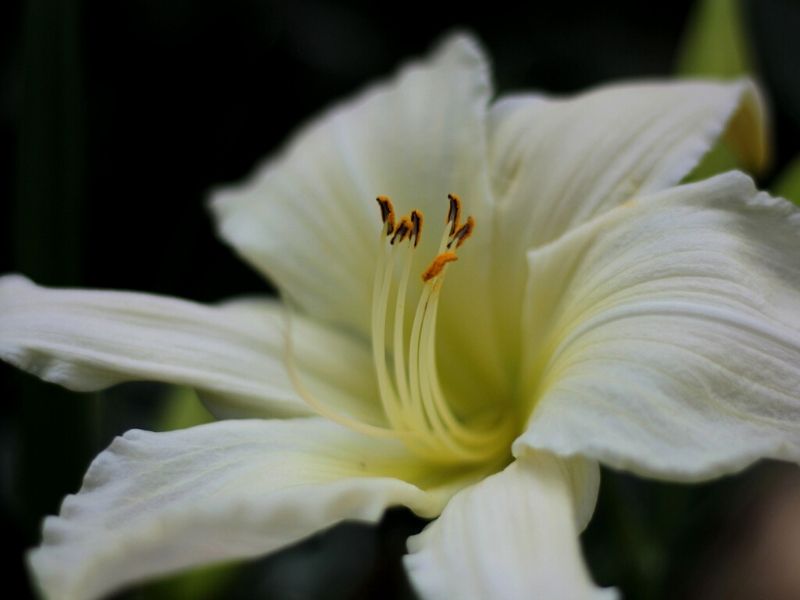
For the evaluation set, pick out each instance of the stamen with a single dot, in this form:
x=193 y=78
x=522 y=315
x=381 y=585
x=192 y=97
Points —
x=450 y=439
x=403 y=231
x=416 y=226
x=413 y=399
x=380 y=297
x=398 y=337
x=437 y=265
x=387 y=213
x=454 y=213
x=461 y=235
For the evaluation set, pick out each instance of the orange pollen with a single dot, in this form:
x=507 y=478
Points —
x=438 y=264
x=403 y=230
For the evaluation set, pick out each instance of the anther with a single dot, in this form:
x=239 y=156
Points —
x=387 y=213
x=463 y=232
x=416 y=226
x=454 y=213
x=402 y=231
x=438 y=264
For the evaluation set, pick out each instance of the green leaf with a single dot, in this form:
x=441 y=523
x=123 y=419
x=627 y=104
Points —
x=715 y=42
x=788 y=183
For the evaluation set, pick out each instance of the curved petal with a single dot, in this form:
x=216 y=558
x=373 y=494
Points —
x=511 y=536
x=668 y=339
x=154 y=503
x=556 y=163
x=308 y=219
x=333 y=367
x=232 y=354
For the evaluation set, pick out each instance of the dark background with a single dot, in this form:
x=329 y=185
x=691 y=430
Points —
x=117 y=117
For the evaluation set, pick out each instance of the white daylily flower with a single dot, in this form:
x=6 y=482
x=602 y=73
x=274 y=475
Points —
x=598 y=313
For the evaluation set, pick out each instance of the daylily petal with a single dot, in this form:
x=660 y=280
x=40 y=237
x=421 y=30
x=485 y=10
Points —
x=234 y=354
x=513 y=535
x=335 y=368
x=667 y=339
x=589 y=153
x=308 y=219
x=558 y=162
x=154 y=503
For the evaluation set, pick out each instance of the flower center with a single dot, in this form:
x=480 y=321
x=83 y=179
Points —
x=408 y=379
x=411 y=393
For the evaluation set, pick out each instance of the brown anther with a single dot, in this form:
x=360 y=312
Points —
x=402 y=231
x=438 y=264
x=387 y=213
x=416 y=226
x=460 y=236
x=454 y=212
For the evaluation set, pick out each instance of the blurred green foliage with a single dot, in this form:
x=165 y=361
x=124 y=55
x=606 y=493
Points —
x=788 y=183
x=181 y=408
x=715 y=43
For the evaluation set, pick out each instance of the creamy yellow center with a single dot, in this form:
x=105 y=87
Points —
x=416 y=408
x=408 y=379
